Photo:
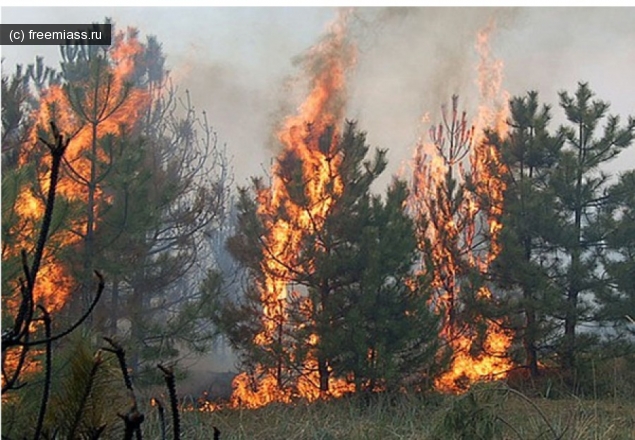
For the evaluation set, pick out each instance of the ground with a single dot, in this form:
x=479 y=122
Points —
x=488 y=412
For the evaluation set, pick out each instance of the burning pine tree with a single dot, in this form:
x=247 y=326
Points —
x=128 y=143
x=94 y=102
x=305 y=186
x=331 y=311
x=457 y=199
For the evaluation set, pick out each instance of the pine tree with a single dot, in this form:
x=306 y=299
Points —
x=578 y=184
x=617 y=299
x=25 y=167
x=457 y=203
x=381 y=330
x=530 y=155
x=143 y=182
x=347 y=273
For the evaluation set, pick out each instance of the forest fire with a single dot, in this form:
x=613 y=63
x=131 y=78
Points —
x=461 y=225
x=101 y=104
x=370 y=282
x=105 y=104
x=88 y=112
x=317 y=118
x=479 y=347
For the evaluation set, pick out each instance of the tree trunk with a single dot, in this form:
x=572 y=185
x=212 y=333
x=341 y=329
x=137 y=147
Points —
x=114 y=308
x=323 y=365
x=531 y=325
x=136 y=326
x=571 y=315
x=279 y=364
x=323 y=370
x=529 y=340
x=571 y=312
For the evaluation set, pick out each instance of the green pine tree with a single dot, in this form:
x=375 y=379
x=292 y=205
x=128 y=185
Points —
x=578 y=185
x=381 y=331
x=530 y=154
x=617 y=299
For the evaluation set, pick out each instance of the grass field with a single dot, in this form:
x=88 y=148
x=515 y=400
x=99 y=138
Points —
x=490 y=412
x=546 y=408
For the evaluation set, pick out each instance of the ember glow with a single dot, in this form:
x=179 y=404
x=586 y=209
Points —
x=320 y=114
x=460 y=227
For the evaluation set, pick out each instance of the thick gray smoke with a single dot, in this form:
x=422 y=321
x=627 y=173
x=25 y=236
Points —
x=411 y=62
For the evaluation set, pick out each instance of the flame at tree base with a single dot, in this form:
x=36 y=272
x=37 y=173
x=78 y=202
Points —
x=490 y=361
x=258 y=389
x=262 y=387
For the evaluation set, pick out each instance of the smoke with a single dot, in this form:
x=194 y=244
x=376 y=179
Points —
x=423 y=55
x=412 y=60
x=408 y=63
x=411 y=63
x=239 y=64
x=210 y=373
x=235 y=107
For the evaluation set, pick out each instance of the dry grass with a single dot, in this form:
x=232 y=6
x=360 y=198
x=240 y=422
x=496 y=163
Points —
x=512 y=416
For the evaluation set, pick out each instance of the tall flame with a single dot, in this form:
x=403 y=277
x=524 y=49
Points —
x=320 y=115
x=458 y=221
x=108 y=105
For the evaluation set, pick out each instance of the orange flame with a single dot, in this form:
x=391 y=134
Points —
x=453 y=233
x=322 y=110
x=106 y=111
x=108 y=105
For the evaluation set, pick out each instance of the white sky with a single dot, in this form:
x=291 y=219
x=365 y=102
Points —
x=235 y=62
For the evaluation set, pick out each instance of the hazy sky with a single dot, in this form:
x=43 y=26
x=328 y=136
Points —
x=236 y=61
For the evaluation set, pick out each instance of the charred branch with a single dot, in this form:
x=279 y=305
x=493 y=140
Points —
x=170 y=381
